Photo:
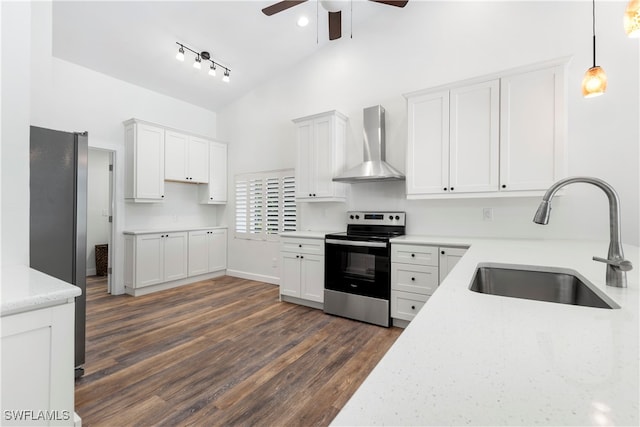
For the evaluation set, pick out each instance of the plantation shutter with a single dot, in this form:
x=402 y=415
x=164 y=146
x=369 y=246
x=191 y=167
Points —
x=265 y=204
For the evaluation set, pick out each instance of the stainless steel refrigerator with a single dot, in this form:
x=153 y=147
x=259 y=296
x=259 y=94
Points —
x=58 y=215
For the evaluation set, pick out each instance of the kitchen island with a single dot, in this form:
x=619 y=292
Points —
x=476 y=359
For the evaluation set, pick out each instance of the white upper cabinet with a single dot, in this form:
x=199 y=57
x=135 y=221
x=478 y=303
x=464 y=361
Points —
x=186 y=158
x=215 y=192
x=144 y=162
x=532 y=129
x=473 y=137
x=454 y=139
x=321 y=143
x=499 y=136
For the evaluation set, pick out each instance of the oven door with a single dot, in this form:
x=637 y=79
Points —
x=358 y=267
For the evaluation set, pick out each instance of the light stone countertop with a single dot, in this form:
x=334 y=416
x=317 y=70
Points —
x=26 y=289
x=475 y=359
x=307 y=234
x=171 y=229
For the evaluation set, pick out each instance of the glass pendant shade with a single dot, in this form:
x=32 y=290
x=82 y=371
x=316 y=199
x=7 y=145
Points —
x=632 y=19
x=594 y=82
x=180 y=55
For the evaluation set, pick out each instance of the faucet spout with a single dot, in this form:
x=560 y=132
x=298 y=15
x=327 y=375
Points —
x=616 y=264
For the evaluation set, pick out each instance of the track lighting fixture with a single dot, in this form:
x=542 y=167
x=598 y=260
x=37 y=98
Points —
x=594 y=82
x=632 y=19
x=200 y=56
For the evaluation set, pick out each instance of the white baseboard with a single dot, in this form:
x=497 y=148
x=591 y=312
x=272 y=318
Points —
x=251 y=276
x=173 y=284
x=91 y=271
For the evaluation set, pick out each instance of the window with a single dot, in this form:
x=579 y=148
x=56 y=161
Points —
x=265 y=204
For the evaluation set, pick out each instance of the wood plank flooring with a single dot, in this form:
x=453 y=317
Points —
x=219 y=352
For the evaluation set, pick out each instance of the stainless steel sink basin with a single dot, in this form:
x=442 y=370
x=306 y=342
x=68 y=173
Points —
x=550 y=284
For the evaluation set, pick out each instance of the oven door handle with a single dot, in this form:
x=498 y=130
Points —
x=356 y=243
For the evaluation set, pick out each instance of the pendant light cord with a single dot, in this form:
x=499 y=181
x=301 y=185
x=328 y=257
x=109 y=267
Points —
x=593 y=12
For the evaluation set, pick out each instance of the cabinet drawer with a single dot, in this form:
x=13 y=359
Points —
x=422 y=279
x=405 y=305
x=302 y=245
x=415 y=254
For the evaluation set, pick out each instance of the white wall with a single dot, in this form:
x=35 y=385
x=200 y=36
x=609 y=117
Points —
x=67 y=97
x=16 y=43
x=98 y=228
x=433 y=43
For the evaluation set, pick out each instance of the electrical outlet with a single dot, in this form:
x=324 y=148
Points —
x=487 y=214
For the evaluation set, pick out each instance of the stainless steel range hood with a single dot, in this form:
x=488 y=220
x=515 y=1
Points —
x=374 y=168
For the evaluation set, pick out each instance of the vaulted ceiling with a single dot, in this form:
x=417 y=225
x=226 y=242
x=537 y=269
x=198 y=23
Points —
x=135 y=41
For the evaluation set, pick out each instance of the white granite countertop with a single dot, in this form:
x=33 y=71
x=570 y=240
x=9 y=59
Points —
x=475 y=359
x=170 y=229
x=26 y=289
x=307 y=234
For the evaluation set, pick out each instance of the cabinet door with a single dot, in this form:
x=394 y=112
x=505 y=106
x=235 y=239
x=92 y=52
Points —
x=532 y=130
x=322 y=158
x=218 y=172
x=428 y=146
x=149 y=162
x=312 y=278
x=449 y=257
x=149 y=259
x=290 y=274
x=176 y=148
x=304 y=172
x=217 y=250
x=198 y=252
x=198 y=160
x=474 y=138
x=175 y=256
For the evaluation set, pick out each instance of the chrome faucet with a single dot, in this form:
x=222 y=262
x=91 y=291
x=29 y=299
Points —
x=617 y=266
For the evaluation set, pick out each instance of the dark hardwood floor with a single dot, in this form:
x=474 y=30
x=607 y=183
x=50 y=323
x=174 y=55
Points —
x=219 y=352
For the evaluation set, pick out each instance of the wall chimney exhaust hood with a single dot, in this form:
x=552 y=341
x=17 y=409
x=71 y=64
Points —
x=374 y=168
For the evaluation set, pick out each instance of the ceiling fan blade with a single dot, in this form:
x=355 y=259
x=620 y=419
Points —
x=335 y=25
x=280 y=6
x=396 y=3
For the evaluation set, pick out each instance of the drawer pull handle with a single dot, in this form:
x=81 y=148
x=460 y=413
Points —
x=413 y=255
x=413 y=307
x=413 y=279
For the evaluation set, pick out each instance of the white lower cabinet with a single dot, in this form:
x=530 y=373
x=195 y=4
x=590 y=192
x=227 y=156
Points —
x=160 y=258
x=172 y=258
x=449 y=257
x=416 y=272
x=207 y=251
x=37 y=365
x=302 y=275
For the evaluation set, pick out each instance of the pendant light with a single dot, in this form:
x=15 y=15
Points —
x=632 y=19
x=594 y=82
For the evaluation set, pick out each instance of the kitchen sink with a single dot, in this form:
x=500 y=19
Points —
x=550 y=284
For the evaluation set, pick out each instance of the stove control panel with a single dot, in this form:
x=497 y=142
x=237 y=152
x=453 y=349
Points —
x=376 y=218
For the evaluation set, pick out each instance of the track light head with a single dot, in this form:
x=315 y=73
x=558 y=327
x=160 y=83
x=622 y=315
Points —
x=225 y=78
x=212 y=70
x=197 y=64
x=180 y=54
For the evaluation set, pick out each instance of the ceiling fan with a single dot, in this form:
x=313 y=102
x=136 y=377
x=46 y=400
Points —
x=333 y=9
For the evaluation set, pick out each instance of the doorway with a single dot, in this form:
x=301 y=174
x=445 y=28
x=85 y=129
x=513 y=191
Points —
x=100 y=181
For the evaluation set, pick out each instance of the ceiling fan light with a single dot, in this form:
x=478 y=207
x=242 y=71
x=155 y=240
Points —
x=180 y=54
x=332 y=5
x=594 y=82
x=632 y=19
x=197 y=64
